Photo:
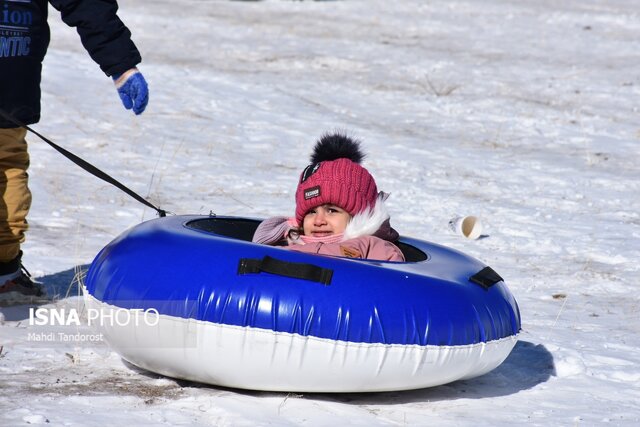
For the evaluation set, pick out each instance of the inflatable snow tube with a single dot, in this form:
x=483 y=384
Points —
x=191 y=297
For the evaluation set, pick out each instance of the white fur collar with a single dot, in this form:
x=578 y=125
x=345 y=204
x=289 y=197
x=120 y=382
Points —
x=367 y=222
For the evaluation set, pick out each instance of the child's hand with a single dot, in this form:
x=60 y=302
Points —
x=272 y=230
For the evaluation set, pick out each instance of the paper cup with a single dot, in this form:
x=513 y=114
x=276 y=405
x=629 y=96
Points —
x=467 y=226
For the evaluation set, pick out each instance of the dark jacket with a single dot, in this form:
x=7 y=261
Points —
x=24 y=38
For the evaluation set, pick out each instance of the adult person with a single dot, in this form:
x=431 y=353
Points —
x=24 y=38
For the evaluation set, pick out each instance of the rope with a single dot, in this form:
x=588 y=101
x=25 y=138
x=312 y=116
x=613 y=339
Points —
x=88 y=166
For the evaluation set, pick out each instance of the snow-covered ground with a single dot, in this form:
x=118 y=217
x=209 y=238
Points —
x=525 y=113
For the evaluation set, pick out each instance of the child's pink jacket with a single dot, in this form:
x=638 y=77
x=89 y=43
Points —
x=368 y=236
x=365 y=247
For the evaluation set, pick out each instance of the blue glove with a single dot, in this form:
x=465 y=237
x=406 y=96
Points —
x=133 y=90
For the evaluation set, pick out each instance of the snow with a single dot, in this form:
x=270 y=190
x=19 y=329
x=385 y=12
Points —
x=522 y=113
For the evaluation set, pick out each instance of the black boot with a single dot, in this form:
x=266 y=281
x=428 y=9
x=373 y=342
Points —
x=19 y=288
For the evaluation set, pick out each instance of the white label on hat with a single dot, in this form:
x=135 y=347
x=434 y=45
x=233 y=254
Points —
x=312 y=192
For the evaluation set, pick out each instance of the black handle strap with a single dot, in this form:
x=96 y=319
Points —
x=296 y=270
x=88 y=166
x=486 y=277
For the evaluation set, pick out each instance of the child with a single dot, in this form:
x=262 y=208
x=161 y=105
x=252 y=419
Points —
x=339 y=210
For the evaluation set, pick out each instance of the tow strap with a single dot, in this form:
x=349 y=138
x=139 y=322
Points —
x=88 y=167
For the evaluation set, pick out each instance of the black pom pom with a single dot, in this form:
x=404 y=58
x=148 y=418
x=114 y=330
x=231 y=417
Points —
x=332 y=146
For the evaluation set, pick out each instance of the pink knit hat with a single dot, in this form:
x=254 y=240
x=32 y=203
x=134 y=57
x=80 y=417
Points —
x=335 y=176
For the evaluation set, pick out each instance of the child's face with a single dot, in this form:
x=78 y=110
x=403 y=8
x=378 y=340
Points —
x=325 y=220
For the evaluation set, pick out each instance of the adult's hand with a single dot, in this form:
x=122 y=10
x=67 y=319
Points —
x=133 y=90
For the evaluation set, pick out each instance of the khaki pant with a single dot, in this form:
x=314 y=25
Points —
x=15 y=197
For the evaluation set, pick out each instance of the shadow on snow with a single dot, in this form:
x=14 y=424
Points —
x=58 y=286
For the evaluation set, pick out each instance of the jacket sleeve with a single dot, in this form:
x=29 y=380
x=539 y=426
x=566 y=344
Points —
x=384 y=250
x=272 y=231
x=102 y=33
